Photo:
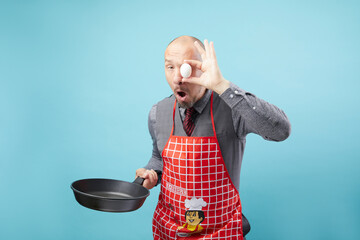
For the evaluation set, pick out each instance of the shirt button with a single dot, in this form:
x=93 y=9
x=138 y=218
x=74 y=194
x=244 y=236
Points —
x=231 y=95
x=236 y=92
x=254 y=108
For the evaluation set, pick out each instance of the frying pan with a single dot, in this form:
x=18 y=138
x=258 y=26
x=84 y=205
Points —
x=110 y=195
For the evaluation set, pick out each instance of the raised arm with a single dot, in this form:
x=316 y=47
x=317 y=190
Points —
x=250 y=114
x=253 y=115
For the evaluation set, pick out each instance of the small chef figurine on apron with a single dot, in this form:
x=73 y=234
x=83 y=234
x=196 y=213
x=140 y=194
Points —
x=194 y=216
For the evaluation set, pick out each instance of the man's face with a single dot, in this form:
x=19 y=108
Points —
x=192 y=218
x=186 y=93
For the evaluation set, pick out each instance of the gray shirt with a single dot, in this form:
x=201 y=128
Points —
x=236 y=114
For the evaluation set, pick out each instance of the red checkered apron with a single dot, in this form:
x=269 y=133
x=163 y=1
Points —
x=194 y=167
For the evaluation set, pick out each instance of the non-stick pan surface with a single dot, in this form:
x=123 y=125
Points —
x=110 y=195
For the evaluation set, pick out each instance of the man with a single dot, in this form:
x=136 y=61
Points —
x=198 y=142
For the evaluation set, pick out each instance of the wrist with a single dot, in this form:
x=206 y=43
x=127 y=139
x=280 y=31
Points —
x=222 y=86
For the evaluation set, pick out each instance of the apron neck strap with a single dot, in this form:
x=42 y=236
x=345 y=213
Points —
x=211 y=113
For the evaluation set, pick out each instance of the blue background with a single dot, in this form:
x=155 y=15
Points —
x=78 y=78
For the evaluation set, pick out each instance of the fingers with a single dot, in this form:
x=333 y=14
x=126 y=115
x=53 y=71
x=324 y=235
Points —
x=207 y=48
x=200 y=49
x=150 y=177
x=209 y=51
x=194 y=63
x=212 y=51
x=140 y=172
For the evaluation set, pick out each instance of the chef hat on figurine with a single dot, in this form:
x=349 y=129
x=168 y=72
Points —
x=195 y=204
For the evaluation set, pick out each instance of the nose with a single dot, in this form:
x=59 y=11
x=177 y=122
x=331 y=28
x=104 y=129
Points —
x=177 y=77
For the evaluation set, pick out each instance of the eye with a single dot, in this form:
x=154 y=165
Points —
x=170 y=67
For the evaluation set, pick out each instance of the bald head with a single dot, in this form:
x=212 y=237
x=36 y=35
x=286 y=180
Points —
x=186 y=40
x=184 y=45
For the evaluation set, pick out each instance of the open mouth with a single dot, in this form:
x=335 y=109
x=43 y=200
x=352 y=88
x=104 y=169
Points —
x=191 y=220
x=181 y=96
x=181 y=93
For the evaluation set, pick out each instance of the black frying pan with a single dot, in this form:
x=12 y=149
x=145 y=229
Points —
x=110 y=195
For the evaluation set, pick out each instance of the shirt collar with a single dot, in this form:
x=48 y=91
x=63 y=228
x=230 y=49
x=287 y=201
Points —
x=201 y=103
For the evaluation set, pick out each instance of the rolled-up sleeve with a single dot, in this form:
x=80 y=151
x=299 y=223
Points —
x=253 y=115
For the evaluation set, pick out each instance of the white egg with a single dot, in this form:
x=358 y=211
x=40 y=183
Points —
x=185 y=70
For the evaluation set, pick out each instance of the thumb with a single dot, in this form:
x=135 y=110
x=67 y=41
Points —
x=194 y=80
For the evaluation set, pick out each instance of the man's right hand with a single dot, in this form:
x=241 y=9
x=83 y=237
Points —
x=150 y=177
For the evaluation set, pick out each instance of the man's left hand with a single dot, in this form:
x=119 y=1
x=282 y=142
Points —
x=211 y=78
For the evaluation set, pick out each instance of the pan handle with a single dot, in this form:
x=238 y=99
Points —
x=159 y=173
x=140 y=180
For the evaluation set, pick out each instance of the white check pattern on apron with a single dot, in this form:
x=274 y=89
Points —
x=210 y=181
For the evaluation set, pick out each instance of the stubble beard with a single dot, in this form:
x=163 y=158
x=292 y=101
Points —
x=186 y=105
